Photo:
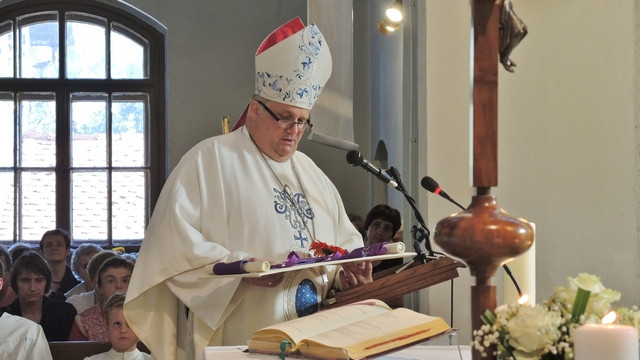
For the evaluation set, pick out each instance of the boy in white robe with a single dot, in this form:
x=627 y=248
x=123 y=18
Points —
x=245 y=195
x=123 y=340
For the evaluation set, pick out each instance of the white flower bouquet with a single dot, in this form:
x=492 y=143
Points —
x=545 y=332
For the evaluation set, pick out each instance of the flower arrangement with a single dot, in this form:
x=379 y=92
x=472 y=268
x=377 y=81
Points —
x=545 y=331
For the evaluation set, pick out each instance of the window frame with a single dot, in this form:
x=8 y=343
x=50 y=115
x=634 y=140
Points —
x=154 y=85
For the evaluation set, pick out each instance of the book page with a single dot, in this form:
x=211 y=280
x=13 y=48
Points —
x=375 y=334
x=308 y=326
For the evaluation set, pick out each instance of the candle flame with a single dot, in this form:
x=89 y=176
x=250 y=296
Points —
x=609 y=318
x=523 y=299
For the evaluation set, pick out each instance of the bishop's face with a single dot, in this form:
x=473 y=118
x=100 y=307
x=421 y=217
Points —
x=278 y=139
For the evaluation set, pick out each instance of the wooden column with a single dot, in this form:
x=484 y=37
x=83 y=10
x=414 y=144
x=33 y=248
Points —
x=484 y=236
x=486 y=25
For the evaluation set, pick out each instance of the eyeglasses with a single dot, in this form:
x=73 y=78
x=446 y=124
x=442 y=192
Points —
x=285 y=123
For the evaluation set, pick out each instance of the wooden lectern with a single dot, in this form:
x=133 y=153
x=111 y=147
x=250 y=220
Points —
x=400 y=280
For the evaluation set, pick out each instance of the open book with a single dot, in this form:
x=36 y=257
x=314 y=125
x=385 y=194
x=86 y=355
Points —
x=352 y=331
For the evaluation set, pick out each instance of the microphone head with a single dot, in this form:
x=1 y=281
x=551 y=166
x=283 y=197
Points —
x=429 y=184
x=355 y=158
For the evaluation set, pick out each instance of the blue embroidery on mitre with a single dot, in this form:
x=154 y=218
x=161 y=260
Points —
x=306 y=298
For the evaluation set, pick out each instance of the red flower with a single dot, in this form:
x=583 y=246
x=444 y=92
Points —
x=320 y=248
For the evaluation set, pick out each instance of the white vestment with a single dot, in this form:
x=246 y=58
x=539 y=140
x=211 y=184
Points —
x=223 y=203
x=23 y=339
x=114 y=355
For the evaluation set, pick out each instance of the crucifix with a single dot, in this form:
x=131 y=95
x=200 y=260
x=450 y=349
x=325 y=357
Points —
x=484 y=236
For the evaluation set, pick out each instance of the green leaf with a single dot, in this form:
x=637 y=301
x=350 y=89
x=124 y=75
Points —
x=580 y=303
x=488 y=317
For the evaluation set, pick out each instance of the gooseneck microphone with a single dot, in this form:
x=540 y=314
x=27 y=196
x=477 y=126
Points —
x=431 y=185
x=355 y=158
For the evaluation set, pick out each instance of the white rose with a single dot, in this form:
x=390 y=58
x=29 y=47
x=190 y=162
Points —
x=587 y=282
x=600 y=299
x=600 y=303
x=532 y=329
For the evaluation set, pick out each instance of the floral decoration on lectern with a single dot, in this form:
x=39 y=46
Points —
x=320 y=248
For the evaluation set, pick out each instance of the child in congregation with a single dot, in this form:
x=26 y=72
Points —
x=123 y=340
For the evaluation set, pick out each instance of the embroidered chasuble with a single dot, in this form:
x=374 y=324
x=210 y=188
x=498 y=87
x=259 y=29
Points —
x=225 y=202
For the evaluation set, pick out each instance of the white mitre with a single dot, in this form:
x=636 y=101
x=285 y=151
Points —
x=293 y=64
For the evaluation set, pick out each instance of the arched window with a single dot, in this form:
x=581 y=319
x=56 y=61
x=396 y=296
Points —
x=82 y=120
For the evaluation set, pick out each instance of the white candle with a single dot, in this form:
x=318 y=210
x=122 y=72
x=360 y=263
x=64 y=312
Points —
x=606 y=341
x=523 y=269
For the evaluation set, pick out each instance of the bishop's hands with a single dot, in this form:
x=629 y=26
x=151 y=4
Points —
x=355 y=273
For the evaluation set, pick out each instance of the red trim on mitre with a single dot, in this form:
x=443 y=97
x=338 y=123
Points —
x=284 y=31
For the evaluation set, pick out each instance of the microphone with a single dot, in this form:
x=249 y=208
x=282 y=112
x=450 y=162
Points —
x=332 y=141
x=355 y=158
x=431 y=185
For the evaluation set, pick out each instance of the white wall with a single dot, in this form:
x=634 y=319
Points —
x=567 y=138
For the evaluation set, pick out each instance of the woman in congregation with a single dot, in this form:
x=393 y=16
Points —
x=31 y=280
x=381 y=224
x=113 y=276
x=79 y=263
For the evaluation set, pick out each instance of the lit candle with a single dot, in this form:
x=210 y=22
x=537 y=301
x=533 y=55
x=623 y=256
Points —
x=523 y=269
x=606 y=341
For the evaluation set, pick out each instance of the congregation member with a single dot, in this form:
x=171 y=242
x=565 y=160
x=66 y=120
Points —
x=7 y=295
x=88 y=299
x=113 y=276
x=31 y=280
x=382 y=223
x=122 y=338
x=18 y=248
x=20 y=338
x=79 y=262
x=55 y=245
x=245 y=195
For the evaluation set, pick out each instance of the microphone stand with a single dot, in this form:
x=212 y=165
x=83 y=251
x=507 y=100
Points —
x=419 y=232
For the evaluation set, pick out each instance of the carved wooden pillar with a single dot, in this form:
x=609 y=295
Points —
x=484 y=236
